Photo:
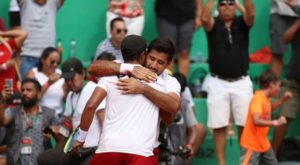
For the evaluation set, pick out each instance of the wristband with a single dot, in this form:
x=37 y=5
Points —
x=81 y=135
x=4 y=66
x=126 y=68
x=275 y=123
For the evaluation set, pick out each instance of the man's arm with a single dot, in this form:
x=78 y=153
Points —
x=290 y=34
x=102 y=68
x=89 y=110
x=249 y=12
x=87 y=116
x=18 y=35
x=198 y=14
x=196 y=132
x=207 y=19
x=168 y=102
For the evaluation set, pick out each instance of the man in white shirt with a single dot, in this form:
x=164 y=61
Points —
x=131 y=121
x=80 y=91
x=159 y=55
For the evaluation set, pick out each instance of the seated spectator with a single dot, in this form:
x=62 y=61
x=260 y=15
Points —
x=131 y=11
x=112 y=45
x=185 y=134
x=9 y=41
x=48 y=75
x=25 y=124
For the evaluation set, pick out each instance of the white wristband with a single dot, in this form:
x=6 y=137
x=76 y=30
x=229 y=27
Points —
x=4 y=66
x=126 y=68
x=81 y=135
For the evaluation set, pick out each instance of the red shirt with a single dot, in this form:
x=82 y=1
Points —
x=5 y=55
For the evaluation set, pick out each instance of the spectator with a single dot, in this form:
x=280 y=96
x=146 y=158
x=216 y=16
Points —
x=228 y=84
x=49 y=76
x=132 y=11
x=291 y=83
x=38 y=18
x=281 y=18
x=185 y=131
x=177 y=20
x=112 y=45
x=256 y=148
x=9 y=41
x=25 y=125
x=81 y=90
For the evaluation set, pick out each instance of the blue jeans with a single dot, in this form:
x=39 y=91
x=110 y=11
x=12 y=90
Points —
x=27 y=63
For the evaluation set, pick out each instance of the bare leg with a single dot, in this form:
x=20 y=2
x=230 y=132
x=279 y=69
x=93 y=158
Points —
x=240 y=131
x=183 y=62
x=276 y=64
x=279 y=133
x=219 y=136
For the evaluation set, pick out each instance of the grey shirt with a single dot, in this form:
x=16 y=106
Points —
x=39 y=22
x=17 y=129
x=107 y=46
x=178 y=130
x=281 y=8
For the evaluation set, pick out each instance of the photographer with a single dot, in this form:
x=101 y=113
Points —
x=184 y=135
x=25 y=124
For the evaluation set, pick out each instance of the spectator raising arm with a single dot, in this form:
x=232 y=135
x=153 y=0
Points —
x=249 y=12
x=207 y=19
x=18 y=35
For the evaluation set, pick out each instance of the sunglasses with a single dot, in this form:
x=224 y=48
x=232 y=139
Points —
x=53 y=62
x=122 y=30
x=223 y=3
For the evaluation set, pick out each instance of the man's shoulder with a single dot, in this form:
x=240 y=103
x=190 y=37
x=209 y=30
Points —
x=105 y=43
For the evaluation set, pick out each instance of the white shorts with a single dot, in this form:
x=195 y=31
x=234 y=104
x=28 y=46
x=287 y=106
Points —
x=134 y=25
x=225 y=97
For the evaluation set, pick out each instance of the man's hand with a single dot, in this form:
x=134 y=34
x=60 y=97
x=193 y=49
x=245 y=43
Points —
x=143 y=73
x=190 y=155
x=130 y=86
x=53 y=78
x=7 y=92
x=287 y=95
x=282 y=120
x=75 y=146
x=197 y=23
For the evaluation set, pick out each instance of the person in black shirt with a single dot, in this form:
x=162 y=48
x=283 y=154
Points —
x=229 y=87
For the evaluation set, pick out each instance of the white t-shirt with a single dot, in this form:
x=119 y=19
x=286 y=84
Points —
x=53 y=97
x=130 y=120
x=187 y=94
x=75 y=104
x=172 y=86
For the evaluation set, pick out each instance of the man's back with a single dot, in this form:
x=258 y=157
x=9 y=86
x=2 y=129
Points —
x=130 y=120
